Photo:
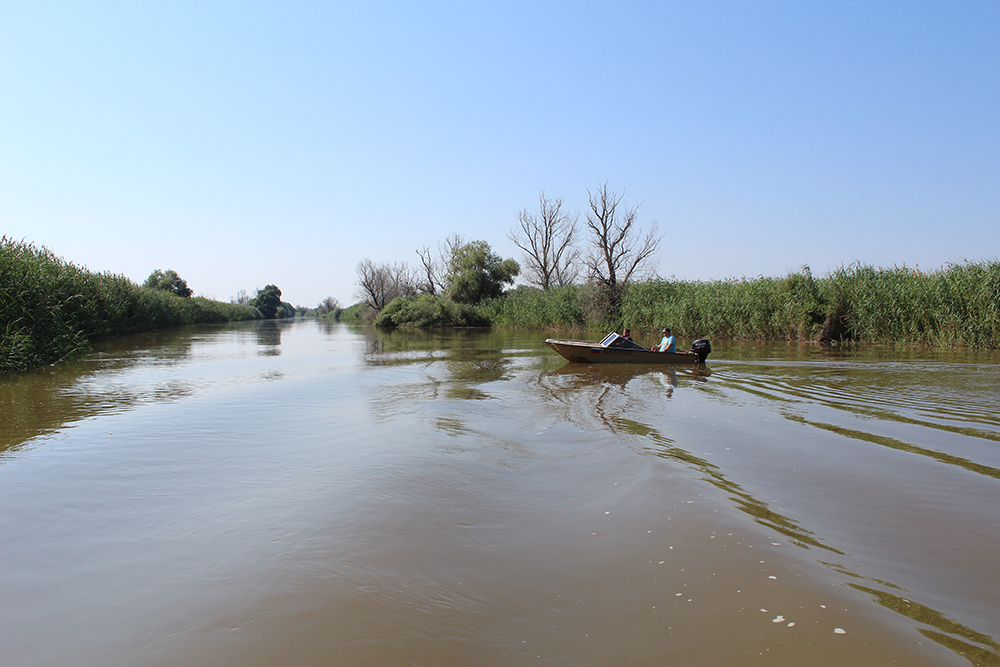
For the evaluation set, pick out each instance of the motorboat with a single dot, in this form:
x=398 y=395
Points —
x=616 y=349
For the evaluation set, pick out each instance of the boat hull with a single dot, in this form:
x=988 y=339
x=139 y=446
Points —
x=589 y=352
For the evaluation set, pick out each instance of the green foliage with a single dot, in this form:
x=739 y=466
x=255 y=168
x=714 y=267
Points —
x=267 y=301
x=359 y=312
x=559 y=307
x=957 y=306
x=476 y=273
x=168 y=281
x=51 y=309
x=762 y=308
x=428 y=310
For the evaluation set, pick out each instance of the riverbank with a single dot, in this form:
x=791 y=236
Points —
x=957 y=306
x=51 y=309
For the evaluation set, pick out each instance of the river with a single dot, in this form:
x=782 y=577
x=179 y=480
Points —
x=304 y=493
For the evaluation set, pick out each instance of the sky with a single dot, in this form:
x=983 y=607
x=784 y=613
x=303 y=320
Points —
x=251 y=143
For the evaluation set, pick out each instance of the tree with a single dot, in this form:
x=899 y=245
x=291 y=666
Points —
x=378 y=284
x=548 y=240
x=168 y=281
x=328 y=305
x=267 y=301
x=476 y=273
x=430 y=270
x=242 y=298
x=617 y=254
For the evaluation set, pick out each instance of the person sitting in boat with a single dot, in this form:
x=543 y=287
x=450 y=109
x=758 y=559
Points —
x=626 y=334
x=667 y=343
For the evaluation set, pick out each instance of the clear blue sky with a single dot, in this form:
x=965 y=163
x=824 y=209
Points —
x=247 y=143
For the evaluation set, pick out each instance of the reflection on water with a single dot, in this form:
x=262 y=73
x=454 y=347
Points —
x=126 y=372
x=269 y=338
x=609 y=402
x=280 y=492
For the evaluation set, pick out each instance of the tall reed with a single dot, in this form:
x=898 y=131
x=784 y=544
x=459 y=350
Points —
x=51 y=309
x=956 y=306
x=530 y=307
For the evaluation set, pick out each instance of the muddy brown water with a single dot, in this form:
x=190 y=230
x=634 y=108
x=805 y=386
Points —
x=315 y=494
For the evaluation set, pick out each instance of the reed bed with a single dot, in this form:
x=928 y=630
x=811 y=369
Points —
x=956 y=306
x=530 y=307
x=51 y=309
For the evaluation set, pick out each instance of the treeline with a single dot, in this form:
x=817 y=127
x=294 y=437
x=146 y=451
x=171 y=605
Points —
x=444 y=292
x=453 y=290
x=597 y=276
x=51 y=309
x=957 y=306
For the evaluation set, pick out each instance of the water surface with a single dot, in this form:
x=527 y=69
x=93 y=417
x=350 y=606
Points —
x=301 y=493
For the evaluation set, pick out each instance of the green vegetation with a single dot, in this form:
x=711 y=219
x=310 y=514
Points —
x=958 y=306
x=359 y=312
x=428 y=310
x=268 y=302
x=51 y=309
x=329 y=308
x=168 y=281
x=476 y=273
x=530 y=307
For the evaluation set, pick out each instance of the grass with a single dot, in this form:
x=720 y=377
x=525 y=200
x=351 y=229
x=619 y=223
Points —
x=530 y=307
x=51 y=309
x=956 y=306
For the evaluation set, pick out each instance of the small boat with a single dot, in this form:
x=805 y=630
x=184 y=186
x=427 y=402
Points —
x=615 y=349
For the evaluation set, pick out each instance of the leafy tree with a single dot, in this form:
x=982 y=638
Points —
x=548 y=239
x=476 y=273
x=267 y=301
x=168 y=281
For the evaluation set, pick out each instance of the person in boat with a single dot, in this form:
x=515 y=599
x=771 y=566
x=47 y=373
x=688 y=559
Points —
x=667 y=343
x=626 y=334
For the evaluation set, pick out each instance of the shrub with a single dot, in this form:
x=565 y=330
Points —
x=429 y=310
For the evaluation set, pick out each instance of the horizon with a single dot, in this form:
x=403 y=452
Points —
x=269 y=144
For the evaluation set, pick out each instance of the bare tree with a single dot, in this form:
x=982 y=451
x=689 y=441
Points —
x=328 y=305
x=378 y=284
x=241 y=298
x=548 y=239
x=449 y=249
x=617 y=254
x=430 y=271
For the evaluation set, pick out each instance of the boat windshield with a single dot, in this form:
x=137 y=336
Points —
x=614 y=340
x=610 y=338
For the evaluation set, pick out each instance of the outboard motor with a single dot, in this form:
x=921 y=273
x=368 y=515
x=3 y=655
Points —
x=702 y=348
